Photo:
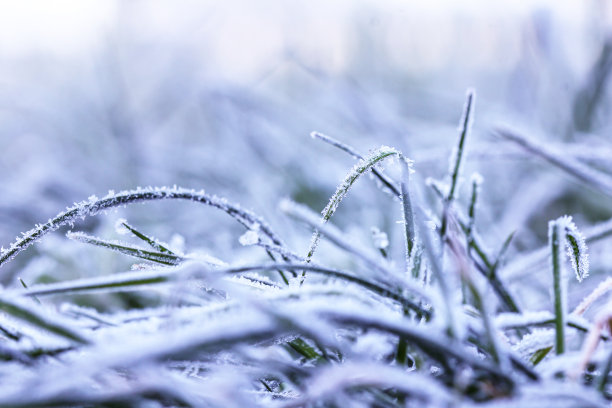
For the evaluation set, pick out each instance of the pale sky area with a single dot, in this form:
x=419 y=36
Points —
x=264 y=29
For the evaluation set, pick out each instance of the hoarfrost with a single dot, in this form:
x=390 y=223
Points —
x=251 y=237
x=381 y=240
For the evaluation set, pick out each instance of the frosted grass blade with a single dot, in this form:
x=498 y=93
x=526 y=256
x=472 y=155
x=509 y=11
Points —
x=94 y=205
x=27 y=313
x=359 y=169
x=164 y=258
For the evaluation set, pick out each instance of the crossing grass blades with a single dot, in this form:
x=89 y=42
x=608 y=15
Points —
x=439 y=328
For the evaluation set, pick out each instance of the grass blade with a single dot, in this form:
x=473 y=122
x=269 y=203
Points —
x=358 y=170
x=157 y=257
x=555 y=236
x=94 y=205
x=22 y=311
x=155 y=244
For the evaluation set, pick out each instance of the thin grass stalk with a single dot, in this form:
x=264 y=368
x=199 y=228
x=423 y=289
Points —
x=164 y=258
x=483 y=264
x=407 y=213
x=442 y=279
x=385 y=180
x=155 y=244
x=465 y=125
x=30 y=315
x=129 y=280
x=360 y=168
x=457 y=157
x=303 y=214
x=559 y=291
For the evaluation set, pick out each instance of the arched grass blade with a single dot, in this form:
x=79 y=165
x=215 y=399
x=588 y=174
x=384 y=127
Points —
x=94 y=205
x=359 y=169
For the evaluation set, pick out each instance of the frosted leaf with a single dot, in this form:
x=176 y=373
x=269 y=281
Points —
x=575 y=245
x=576 y=250
x=381 y=240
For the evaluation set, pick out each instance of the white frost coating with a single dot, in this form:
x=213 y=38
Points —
x=120 y=228
x=534 y=341
x=333 y=380
x=251 y=237
x=477 y=178
x=358 y=169
x=575 y=245
x=381 y=240
x=576 y=250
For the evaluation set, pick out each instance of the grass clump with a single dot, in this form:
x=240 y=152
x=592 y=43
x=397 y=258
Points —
x=440 y=327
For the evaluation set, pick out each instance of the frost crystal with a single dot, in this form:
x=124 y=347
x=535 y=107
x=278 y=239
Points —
x=381 y=241
x=120 y=227
x=249 y=238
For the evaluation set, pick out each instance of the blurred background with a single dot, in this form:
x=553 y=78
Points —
x=222 y=95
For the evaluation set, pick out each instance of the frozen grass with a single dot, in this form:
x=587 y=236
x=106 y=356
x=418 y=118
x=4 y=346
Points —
x=432 y=325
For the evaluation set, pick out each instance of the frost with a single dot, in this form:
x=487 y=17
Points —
x=536 y=340
x=477 y=178
x=251 y=237
x=381 y=240
x=120 y=227
x=575 y=245
x=576 y=249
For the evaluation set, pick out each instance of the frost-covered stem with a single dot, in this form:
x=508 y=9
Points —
x=436 y=268
x=149 y=240
x=407 y=211
x=303 y=213
x=140 y=278
x=362 y=167
x=94 y=206
x=559 y=291
x=386 y=181
x=472 y=209
x=465 y=124
x=158 y=257
x=21 y=311
x=483 y=264
x=456 y=160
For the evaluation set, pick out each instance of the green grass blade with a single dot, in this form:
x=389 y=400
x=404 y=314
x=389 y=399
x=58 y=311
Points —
x=157 y=257
x=555 y=236
x=155 y=244
x=24 y=312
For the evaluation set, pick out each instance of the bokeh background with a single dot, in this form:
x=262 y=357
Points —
x=222 y=95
